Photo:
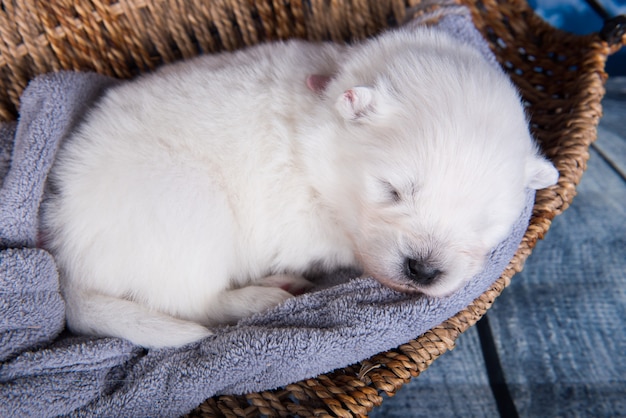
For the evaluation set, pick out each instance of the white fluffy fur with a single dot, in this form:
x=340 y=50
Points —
x=193 y=196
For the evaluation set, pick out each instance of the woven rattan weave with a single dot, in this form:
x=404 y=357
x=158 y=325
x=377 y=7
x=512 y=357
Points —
x=561 y=78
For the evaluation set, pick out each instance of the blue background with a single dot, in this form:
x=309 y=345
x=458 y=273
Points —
x=576 y=16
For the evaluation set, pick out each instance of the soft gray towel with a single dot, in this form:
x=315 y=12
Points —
x=47 y=372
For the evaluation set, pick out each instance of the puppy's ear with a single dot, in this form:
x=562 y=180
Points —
x=357 y=103
x=317 y=82
x=540 y=173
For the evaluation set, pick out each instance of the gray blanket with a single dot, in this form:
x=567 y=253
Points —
x=46 y=371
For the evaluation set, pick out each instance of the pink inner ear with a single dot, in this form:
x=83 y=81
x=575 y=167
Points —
x=317 y=83
x=349 y=96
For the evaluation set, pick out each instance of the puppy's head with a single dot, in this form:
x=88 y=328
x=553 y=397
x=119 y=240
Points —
x=444 y=159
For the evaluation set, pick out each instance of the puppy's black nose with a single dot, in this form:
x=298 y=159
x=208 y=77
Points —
x=420 y=272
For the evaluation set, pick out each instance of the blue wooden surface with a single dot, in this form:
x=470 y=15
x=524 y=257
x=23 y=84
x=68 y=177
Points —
x=560 y=328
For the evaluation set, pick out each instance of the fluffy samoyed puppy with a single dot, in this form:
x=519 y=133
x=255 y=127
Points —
x=201 y=193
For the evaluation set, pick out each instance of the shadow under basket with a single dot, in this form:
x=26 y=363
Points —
x=560 y=75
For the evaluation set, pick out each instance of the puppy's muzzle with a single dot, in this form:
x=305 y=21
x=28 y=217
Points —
x=420 y=272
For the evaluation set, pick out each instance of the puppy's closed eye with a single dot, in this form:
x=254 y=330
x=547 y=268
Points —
x=392 y=194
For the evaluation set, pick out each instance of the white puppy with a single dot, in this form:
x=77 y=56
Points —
x=199 y=194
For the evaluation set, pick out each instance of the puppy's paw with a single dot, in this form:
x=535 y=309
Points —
x=236 y=304
x=267 y=297
x=296 y=285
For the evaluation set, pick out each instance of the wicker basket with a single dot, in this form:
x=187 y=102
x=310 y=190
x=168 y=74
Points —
x=561 y=77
